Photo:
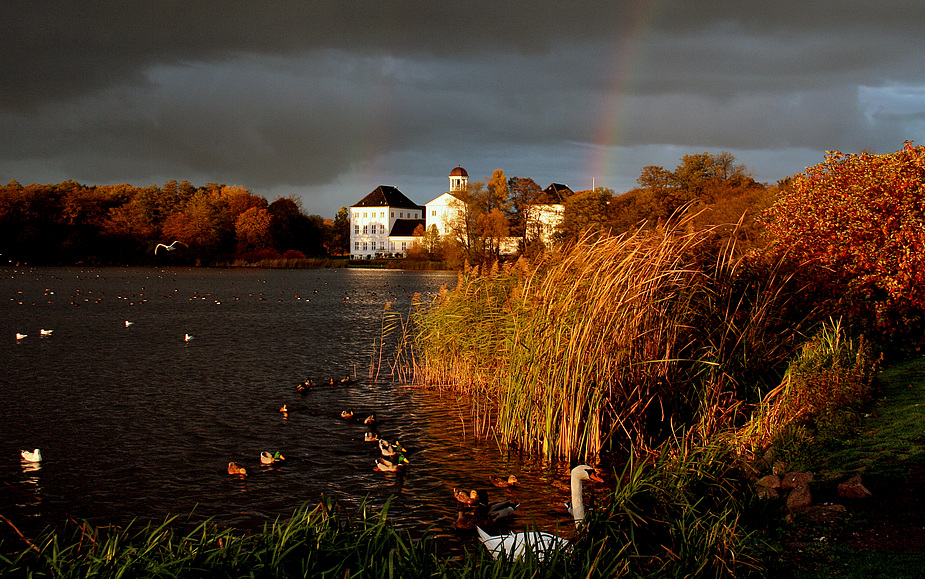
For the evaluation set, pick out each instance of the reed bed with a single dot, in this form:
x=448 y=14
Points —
x=606 y=344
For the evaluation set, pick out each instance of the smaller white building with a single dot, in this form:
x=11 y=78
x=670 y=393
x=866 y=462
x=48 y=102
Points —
x=442 y=209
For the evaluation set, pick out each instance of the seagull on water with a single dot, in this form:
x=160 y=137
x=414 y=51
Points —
x=128 y=323
x=34 y=456
x=187 y=337
x=171 y=247
x=20 y=336
x=46 y=332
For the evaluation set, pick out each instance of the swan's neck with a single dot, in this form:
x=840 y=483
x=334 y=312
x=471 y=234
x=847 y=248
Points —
x=578 y=505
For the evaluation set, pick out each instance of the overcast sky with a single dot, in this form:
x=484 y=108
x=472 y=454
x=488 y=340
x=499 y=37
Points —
x=327 y=99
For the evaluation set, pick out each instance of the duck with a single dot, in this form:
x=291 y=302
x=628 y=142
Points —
x=347 y=414
x=389 y=449
x=346 y=379
x=370 y=436
x=386 y=465
x=576 y=507
x=34 y=456
x=284 y=409
x=267 y=458
x=470 y=498
x=497 y=513
x=503 y=483
x=515 y=544
x=235 y=468
x=371 y=420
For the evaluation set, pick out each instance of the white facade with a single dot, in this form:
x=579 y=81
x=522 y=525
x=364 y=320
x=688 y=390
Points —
x=374 y=218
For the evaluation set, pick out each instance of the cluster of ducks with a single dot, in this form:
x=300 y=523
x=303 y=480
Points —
x=304 y=387
x=391 y=454
x=266 y=459
x=42 y=332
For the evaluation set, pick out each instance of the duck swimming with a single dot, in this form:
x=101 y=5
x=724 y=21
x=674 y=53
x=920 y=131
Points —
x=347 y=414
x=386 y=465
x=371 y=420
x=370 y=436
x=236 y=469
x=470 y=498
x=34 y=456
x=267 y=458
x=503 y=483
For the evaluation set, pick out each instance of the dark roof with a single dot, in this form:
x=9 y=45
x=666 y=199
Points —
x=405 y=227
x=458 y=172
x=555 y=193
x=387 y=196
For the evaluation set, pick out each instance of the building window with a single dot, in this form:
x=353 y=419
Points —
x=364 y=214
x=382 y=214
x=401 y=215
x=391 y=246
x=364 y=246
x=366 y=229
x=382 y=229
x=356 y=229
x=356 y=245
x=433 y=213
x=404 y=245
x=393 y=214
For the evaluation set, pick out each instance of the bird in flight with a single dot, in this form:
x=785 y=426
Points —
x=171 y=247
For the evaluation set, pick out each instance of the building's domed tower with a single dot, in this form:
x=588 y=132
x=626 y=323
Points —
x=459 y=179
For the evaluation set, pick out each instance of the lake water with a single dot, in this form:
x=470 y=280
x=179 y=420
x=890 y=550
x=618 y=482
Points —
x=135 y=422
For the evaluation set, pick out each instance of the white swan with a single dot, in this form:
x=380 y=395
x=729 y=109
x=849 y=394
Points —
x=171 y=247
x=576 y=507
x=34 y=456
x=514 y=544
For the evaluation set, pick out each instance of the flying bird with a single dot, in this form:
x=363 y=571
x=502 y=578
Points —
x=171 y=247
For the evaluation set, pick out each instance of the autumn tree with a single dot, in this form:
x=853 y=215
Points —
x=860 y=220
x=587 y=212
x=252 y=230
x=337 y=238
x=523 y=192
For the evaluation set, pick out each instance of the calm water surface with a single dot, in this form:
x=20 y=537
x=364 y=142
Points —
x=135 y=422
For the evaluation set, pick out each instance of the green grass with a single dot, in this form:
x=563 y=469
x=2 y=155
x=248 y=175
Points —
x=889 y=453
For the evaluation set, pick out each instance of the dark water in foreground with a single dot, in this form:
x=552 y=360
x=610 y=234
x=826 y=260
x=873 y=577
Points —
x=135 y=422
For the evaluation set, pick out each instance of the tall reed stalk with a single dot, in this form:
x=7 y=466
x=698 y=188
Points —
x=604 y=342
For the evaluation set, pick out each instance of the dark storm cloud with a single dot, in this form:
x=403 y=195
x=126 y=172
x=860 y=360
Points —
x=298 y=94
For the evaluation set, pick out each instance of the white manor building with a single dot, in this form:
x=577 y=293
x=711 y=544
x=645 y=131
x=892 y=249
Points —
x=383 y=223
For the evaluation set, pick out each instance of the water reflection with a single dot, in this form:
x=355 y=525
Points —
x=169 y=415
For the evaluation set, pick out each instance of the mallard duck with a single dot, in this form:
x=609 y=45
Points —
x=267 y=458
x=284 y=409
x=346 y=379
x=503 y=483
x=34 y=456
x=235 y=468
x=386 y=465
x=576 y=507
x=371 y=420
x=370 y=436
x=390 y=449
x=470 y=498
x=347 y=414
x=497 y=512
x=514 y=544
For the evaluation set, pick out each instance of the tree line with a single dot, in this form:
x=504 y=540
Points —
x=711 y=190
x=69 y=223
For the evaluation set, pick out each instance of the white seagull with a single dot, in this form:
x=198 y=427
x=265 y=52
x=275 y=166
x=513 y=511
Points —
x=171 y=247
x=34 y=456
x=20 y=336
x=128 y=323
x=46 y=332
x=187 y=337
